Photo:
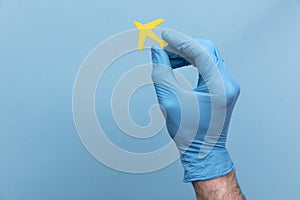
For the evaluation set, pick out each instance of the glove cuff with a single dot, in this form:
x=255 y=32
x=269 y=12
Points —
x=214 y=165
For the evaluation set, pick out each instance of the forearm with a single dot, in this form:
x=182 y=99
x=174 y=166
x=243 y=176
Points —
x=222 y=188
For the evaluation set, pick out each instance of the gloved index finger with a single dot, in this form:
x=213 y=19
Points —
x=191 y=51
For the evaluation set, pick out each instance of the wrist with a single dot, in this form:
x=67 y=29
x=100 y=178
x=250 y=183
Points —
x=215 y=164
x=221 y=188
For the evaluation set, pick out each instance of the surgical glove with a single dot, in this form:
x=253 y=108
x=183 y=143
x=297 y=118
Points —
x=197 y=119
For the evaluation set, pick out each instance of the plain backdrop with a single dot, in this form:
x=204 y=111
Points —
x=43 y=43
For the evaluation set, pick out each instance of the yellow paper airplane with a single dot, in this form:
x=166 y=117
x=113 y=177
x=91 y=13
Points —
x=146 y=31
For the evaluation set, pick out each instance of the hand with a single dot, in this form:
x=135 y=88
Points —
x=196 y=119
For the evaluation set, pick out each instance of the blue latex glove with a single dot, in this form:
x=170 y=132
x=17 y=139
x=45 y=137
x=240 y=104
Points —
x=196 y=119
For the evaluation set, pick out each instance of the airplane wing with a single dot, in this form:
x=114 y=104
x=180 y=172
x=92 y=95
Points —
x=137 y=24
x=154 y=23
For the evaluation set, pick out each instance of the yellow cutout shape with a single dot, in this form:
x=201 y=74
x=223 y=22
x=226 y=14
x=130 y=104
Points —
x=146 y=31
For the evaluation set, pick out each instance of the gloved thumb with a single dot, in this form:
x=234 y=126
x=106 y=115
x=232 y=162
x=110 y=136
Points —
x=162 y=72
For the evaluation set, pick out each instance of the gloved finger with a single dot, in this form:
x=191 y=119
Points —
x=193 y=52
x=230 y=84
x=176 y=60
x=212 y=51
x=162 y=72
x=210 y=48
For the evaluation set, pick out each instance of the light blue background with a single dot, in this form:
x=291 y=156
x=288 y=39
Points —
x=43 y=43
